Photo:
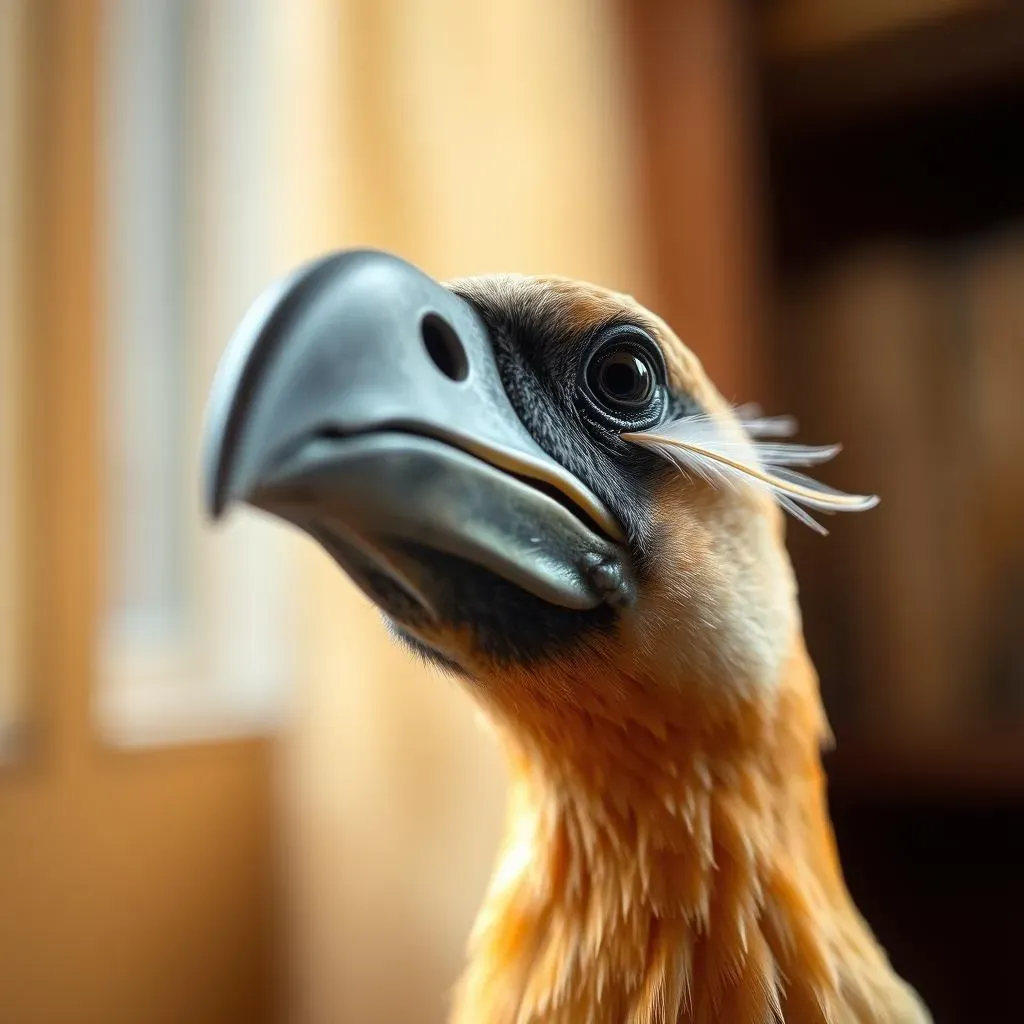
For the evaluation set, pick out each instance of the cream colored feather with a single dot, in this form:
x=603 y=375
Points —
x=732 y=454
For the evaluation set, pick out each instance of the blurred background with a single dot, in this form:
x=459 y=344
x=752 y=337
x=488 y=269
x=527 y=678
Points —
x=224 y=795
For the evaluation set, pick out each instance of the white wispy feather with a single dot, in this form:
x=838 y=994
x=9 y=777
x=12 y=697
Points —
x=727 y=455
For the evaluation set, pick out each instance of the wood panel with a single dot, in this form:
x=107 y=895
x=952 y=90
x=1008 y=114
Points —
x=698 y=138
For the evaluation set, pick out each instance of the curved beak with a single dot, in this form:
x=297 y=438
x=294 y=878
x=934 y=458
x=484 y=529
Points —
x=360 y=400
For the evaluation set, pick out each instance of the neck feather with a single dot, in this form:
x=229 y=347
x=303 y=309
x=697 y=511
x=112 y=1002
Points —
x=653 y=871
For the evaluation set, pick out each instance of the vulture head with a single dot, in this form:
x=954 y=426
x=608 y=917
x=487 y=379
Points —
x=539 y=487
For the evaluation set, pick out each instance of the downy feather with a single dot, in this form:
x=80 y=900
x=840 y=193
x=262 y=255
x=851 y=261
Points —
x=731 y=454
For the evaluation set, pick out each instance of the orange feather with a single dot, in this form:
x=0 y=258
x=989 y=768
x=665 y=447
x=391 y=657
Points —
x=678 y=874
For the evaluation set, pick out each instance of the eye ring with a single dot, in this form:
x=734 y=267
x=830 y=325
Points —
x=623 y=379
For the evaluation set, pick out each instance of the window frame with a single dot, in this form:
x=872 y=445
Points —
x=208 y=650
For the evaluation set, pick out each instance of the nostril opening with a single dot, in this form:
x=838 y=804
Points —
x=444 y=347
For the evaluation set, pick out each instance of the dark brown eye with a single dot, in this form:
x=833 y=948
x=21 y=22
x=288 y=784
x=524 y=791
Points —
x=622 y=383
x=622 y=378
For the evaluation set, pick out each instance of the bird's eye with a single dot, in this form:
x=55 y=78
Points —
x=623 y=377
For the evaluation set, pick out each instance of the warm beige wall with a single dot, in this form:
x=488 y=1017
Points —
x=469 y=137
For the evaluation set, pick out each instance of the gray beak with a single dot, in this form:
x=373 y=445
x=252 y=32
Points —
x=360 y=400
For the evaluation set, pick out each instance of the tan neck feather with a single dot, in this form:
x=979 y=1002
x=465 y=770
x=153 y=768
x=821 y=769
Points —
x=657 y=872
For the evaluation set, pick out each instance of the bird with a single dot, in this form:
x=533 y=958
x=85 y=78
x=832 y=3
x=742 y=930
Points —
x=545 y=496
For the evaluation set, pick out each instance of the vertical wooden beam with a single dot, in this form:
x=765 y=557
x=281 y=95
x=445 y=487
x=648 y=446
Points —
x=14 y=103
x=58 y=316
x=694 y=105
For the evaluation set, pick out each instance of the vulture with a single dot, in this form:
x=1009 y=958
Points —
x=536 y=483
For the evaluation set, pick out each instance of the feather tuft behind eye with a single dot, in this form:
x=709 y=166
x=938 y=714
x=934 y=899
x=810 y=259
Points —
x=727 y=455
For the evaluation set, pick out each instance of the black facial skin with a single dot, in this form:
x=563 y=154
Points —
x=543 y=361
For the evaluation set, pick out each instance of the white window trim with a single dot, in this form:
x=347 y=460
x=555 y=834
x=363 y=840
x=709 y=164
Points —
x=215 y=660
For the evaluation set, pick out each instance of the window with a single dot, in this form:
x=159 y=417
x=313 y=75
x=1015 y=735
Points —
x=195 y=639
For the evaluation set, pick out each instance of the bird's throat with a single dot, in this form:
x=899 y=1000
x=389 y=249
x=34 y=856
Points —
x=662 y=873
